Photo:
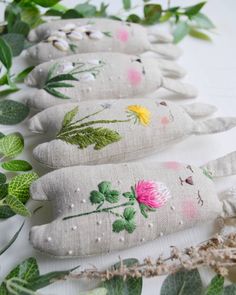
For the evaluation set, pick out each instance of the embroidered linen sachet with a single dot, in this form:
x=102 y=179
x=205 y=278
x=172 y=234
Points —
x=111 y=131
x=126 y=205
x=100 y=76
x=67 y=37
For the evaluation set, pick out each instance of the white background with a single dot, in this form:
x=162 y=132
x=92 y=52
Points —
x=212 y=69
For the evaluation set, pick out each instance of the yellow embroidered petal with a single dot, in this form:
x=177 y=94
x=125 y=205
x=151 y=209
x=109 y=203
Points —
x=141 y=113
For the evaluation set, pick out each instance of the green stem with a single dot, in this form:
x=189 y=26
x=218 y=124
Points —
x=108 y=209
x=2 y=201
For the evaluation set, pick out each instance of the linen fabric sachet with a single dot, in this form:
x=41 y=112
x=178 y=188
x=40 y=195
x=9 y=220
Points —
x=126 y=205
x=67 y=37
x=99 y=76
x=100 y=132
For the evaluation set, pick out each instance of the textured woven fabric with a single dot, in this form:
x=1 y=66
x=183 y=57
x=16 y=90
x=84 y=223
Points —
x=178 y=196
x=99 y=76
x=67 y=37
x=141 y=126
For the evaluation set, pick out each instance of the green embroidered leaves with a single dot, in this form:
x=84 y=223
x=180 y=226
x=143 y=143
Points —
x=84 y=134
x=126 y=222
x=69 y=72
x=104 y=193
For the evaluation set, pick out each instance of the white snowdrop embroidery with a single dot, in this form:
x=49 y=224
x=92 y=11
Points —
x=87 y=77
x=61 y=44
x=75 y=35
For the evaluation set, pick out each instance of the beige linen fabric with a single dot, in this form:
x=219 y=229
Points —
x=151 y=126
x=187 y=197
x=67 y=37
x=100 y=76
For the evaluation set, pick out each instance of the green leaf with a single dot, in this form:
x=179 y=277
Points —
x=13 y=239
x=96 y=197
x=59 y=85
x=16 y=42
x=68 y=118
x=118 y=225
x=166 y=16
x=20 y=27
x=130 y=226
x=112 y=197
x=5 y=54
x=202 y=21
x=229 y=290
x=20 y=184
x=104 y=187
x=62 y=77
x=128 y=195
x=30 y=14
x=56 y=93
x=86 y=9
x=184 y=282
x=11 y=145
x=134 y=18
x=23 y=74
x=181 y=30
x=129 y=213
x=192 y=10
x=1 y=135
x=46 y=3
x=152 y=13
x=199 y=35
x=3 y=190
x=12 y=112
x=99 y=136
x=216 y=286
x=17 y=206
x=56 y=10
x=8 y=91
x=3 y=178
x=126 y=4
x=130 y=286
x=17 y=165
x=12 y=14
x=71 y=13
x=6 y=212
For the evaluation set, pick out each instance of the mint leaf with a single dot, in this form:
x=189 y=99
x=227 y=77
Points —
x=152 y=13
x=12 y=144
x=118 y=225
x=17 y=206
x=15 y=41
x=5 y=54
x=46 y=3
x=202 y=21
x=104 y=187
x=183 y=282
x=216 y=286
x=3 y=178
x=199 y=35
x=181 y=30
x=96 y=197
x=12 y=112
x=20 y=184
x=129 y=213
x=126 y=4
x=17 y=165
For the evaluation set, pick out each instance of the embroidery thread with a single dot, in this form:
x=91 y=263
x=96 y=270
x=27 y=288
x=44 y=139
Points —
x=140 y=114
x=149 y=195
x=77 y=71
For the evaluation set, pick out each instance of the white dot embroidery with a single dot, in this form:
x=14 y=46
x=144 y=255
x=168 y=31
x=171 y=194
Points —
x=98 y=239
x=72 y=206
x=74 y=227
x=181 y=222
x=83 y=201
x=150 y=225
x=70 y=252
x=122 y=239
x=161 y=234
x=49 y=239
x=99 y=222
x=142 y=240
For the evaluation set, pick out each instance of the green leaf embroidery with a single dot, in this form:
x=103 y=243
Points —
x=104 y=187
x=12 y=112
x=11 y=145
x=68 y=118
x=62 y=77
x=5 y=54
x=17 y=165
x=129 y=213
x=20 y=184
x=13 y=239
x=112 y=196
x=96 y=197
x=216 y=286
x=130 y=286
x=130 y=226
x=56 y=93
x=183 y=282
x=17 y=206
x=118 y=225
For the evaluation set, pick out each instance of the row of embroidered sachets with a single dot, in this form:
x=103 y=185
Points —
x=102 y=208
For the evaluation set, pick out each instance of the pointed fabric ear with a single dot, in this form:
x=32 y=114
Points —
x=229 y=203
x=224 y=166
x=185 y=90
x=171 y=69
x=168 y=51
x=155 y=36
x=198 y=110
x=214 y=125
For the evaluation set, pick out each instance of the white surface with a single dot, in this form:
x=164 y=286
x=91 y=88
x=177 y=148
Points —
x=212 y=69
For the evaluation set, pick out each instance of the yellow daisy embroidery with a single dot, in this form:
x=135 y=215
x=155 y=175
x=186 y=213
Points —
x=140 y=114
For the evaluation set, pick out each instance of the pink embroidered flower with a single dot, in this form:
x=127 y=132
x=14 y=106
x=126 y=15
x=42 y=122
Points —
x=134 y=77
x=123 y=35
x=151 y=193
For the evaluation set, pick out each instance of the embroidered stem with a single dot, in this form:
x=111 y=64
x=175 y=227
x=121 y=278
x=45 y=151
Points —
x=108 y=209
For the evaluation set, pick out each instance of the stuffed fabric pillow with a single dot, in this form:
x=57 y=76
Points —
x=67 y=37
x=118 y=130
x=126 y=205
x=98 y=76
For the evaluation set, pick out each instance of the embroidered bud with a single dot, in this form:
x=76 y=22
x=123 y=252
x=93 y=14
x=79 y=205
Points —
x=67 y=67
x=58 y=34
x=75 y=35
x=94 y=62
x=83 y=29
x=61 y=44
x=68 y=27
x=96 y=35
x=52 y=38
x=87 y=77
